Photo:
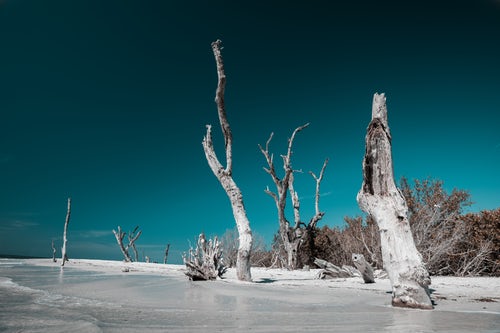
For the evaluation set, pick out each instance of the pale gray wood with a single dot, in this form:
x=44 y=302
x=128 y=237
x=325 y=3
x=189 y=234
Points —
x=224 y=175
x=363 y=267
x=380 y=198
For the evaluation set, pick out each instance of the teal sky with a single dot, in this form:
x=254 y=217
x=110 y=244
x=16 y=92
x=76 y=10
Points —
x=107 y=102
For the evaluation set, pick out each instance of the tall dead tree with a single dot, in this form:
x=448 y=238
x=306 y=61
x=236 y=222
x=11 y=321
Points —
x=380 y=198
x=291 y=236
x=224 y=175
x=132 y=237
x=64 y=256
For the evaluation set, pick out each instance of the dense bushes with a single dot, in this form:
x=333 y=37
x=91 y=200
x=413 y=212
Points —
x=450 y=242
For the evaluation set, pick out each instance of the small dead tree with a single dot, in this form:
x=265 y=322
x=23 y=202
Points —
x=53 y=252
x=64 y=256
x=132 y=238
x=291 y=236
x=380 y=198
x=224 y=175
x=166 y=254
x=205 y=262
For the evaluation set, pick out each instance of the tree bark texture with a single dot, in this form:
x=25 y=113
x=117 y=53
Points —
x=224 y=175
x=380 y=198
x=64 y=256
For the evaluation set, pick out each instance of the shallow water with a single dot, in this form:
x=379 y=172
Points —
x=51 y=299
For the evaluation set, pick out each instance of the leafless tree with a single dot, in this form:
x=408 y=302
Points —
x=132 y=238
x=166 y=254
x=224 y=175
x=53 y=252
x=381 y=199
x=64 y=256
x=292 y=236
x=205 y=261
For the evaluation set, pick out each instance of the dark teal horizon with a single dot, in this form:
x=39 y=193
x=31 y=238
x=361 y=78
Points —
x=106 y=102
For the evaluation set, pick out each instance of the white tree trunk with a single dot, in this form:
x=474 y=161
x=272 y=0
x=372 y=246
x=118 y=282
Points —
x=119 y=235
x=225 y=175
x=380 y=198
x=64 y=257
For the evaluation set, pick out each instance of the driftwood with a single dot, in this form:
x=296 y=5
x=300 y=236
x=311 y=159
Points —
x=205 y=262
x=64 y=256
x=331 y=271
x=380 y=198
x=225 y=175
x=363 y=267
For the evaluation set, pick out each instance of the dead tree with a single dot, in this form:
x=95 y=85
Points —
x=132 y=237
x=205 y=262
x=167 y=249
x=224 y=175
x=380 y=198
x=53 y=252
x=64 y=256
x=291 y=236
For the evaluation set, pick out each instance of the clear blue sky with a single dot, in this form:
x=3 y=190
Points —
x=107 y=101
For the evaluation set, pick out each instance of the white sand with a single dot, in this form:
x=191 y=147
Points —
x=281 y=300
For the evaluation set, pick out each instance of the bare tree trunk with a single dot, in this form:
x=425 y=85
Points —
x=380 y=198
x=53 y=252
x=119 y=238
x=132 y=237
x=166 y=254
x=64 y=257
x=225 y=175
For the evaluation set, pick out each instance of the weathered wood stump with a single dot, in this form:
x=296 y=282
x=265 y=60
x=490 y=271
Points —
x=363 y=267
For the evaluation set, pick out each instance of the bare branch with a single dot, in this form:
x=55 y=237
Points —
x=219 y=100
x=318 y=183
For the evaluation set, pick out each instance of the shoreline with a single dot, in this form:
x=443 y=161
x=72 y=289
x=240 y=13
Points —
x=449 y=293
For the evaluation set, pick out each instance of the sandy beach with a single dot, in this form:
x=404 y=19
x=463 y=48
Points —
x=101 y=297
